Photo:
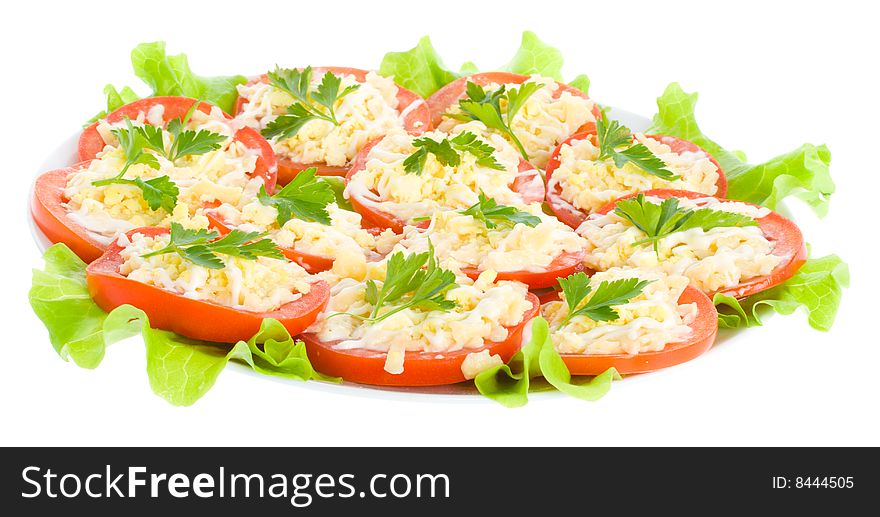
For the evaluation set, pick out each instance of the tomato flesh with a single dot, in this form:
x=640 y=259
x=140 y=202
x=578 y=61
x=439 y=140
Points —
x=566 y=212
x=704 y=329
x=196 y=319
x=419 y=368
x=786 y=236
x=416 y=122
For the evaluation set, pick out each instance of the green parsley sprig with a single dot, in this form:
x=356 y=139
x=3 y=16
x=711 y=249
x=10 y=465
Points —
x=607 y=295
x=411 y=281
x=135 y=141
x=306 y=197
x=484 y=106
x=447 y=152
x=612 y=135
x=492 y=214
x=310 y=104
x=659 y=221
x=201 y=247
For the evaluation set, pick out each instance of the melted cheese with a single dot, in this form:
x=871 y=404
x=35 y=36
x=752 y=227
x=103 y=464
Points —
x=543 y=122
x=464 y=242
x=264 y=284
x=365 y=114
x=484 y=308
x=221 y=176
x=712 y=260
x=589 y=184
x=385 y=185
x=647 y=323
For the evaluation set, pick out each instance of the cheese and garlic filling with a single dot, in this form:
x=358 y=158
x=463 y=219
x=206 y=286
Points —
x=646 y=323
x=365 y=114
x=461 y=241
x=589 y=184
x=260 y=285
x=385 y=185
x=484 y=310
x=543 y=122
x=712 y=260
x=220 y=176
x=343 y=237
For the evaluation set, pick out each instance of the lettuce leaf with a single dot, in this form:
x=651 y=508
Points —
x=337 y=183
x=419 y=69
x=179 y=369
x=817 y=287
x=171 y=75
x=509 y=384
x=802 y=173
x=535 y=57
x=115 y=100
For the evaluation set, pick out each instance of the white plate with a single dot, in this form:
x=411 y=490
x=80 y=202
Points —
x=66 y=154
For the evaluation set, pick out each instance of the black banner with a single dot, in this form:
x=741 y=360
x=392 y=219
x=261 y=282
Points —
x=436 y=481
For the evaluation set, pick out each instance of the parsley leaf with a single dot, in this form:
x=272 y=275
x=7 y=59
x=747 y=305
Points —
x=492 y=214
x=309 y=105
x=411 y=281
x=447 y=152
x=659 y=221
x=600 y=306
x=486 y=107
x=189 y=143
x=306 y=197
x=202 y=246
x=611 y=135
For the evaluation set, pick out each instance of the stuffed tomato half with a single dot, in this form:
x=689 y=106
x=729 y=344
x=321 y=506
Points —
x=629 y=319
x=403 y=179
x=204 y=286
x=520 y=244
x=409 y=322
x=322 y=117
x=589 y=170
x=150 y=162
x=533 y=113
x=308 y=225
x=721 y=246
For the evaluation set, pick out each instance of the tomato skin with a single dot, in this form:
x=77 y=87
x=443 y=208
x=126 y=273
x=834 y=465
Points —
x=417 y=121
x=527 y=183
x=445 y=97
x=309 y=262
x=91 y=143
x=196 y=319
x=562 y=266
x=51 y=217
x=573 y=216
x=420 y=369
x=788 y=239
x=704 y=330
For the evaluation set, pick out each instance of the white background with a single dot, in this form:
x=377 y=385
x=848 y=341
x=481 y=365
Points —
x=771 y=76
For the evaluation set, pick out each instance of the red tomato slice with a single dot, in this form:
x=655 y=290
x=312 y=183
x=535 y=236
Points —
x=704 y=329
x=527 y=183
x=788 y=239
x=420 y=368
x=309 y=262
x=196 y=319
x=445 y=97
x=416 y=122
x=91 y=142
x=562 y=266
x=51 y=218
x=573 y=216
